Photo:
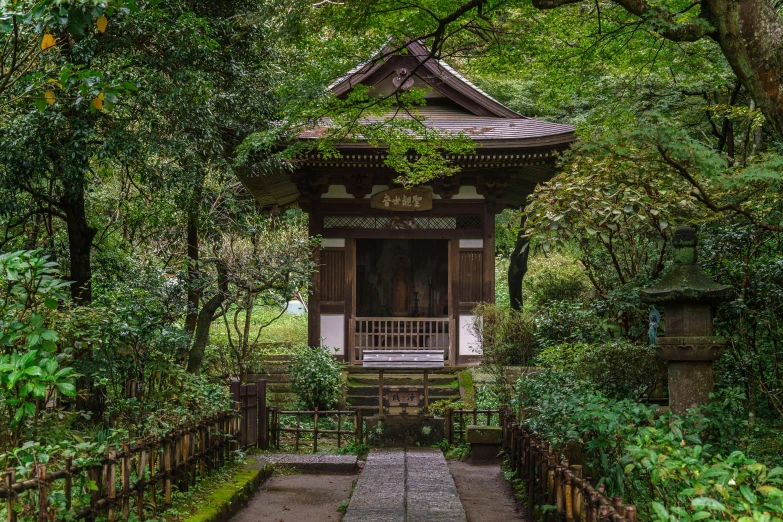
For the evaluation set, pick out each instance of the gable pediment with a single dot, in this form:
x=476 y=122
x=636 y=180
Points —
x=417 y=69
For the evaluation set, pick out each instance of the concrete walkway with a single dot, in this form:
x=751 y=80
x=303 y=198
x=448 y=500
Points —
x=399 y=485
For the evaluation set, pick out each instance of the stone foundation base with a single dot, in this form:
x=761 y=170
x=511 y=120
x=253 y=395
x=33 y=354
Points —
x=404 y=430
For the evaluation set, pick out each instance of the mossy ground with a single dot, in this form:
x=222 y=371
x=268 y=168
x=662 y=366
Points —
x=213 y=498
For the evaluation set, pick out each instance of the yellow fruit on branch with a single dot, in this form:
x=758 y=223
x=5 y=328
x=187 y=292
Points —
x=98 y=102
x=102 y=23
x=49 y=96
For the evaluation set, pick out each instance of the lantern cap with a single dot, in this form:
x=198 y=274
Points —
x=685 y=280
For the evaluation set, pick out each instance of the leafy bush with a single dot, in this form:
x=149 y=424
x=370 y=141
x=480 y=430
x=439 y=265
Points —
x=617 y=368
x=506 y=338
x=316 y=378
x=32 y=370
x=672 y=467
x=567 y=322
x=555 y=277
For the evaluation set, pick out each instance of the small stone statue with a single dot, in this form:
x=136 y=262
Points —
x=655 y=319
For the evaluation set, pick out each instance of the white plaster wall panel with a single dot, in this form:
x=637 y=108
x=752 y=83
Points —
x=333 y=242
x=333 y=332
x=468 y=342
x=336 y=192
x=467 y=192
x=471 y=243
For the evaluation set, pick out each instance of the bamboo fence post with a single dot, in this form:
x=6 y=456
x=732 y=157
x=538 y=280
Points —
x=9 y=479
x=167 y=472
x=184 y=448
x=125 y=477
x=43 y=496
x=296 y=434
x=569 y=497
x=111 y=486
x=359 y=426
x=156 y=462
x=202 y=449
x=315 y=431
x=577 y=492
x=339 y=424
x=141 y=484
x=68 y=483
x=95 y=476
x=449 y=426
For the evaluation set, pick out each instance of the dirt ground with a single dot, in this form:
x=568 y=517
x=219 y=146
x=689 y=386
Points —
x=484 y=493
x=298 y=498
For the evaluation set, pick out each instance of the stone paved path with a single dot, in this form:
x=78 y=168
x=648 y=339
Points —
x=399 y=485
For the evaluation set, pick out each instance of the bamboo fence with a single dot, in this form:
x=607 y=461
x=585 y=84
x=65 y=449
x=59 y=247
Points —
x=138 y=477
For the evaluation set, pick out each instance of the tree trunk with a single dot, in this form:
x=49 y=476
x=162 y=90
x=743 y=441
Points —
x=204 y=321
x=80 y=236
x=194 y=285
x=748 y=32
x=517 y=267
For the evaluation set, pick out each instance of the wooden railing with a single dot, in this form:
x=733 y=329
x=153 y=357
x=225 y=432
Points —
x=455 y=421
x=550 y=481
x=276 y=427
x=403 y=333
x=147 y=471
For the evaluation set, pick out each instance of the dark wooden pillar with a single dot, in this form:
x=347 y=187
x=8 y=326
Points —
x=350 y=298
x=454 y=300
x=488 y=235
x=314 y=301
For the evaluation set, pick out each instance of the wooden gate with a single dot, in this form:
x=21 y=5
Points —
x=251 y=403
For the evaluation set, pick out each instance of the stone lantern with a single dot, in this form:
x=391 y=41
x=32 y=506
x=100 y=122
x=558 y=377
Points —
x=688 y=297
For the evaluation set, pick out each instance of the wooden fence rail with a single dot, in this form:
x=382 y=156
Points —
x=550 y=482
x=452 y=416
x=147 y=472
x=341 y=416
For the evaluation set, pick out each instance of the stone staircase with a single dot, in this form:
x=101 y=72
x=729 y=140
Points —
x=278 y=381
x=362 y=391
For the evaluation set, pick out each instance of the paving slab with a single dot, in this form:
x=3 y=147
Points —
x=316 y=463
x=405 y=485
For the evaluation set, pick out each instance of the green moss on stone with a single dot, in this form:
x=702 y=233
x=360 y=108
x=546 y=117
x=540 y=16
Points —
x=224 y=501
x=466 y=389
x=484 y=434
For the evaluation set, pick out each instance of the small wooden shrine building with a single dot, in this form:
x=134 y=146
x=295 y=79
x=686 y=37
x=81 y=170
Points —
x=404 y=269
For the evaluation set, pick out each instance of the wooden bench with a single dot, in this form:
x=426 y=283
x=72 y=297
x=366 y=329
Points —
x=403 y=360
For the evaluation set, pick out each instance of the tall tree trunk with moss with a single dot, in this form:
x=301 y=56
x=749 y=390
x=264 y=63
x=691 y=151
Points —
x=204 y=320
x=517 y=267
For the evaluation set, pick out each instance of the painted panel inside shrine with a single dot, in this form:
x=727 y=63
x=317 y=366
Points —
x=402 y=268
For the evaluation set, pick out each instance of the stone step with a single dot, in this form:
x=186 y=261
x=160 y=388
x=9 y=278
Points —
x=372 y=391
x=356 y=369
x=372 y=400
x=281 y=400
x=275 y=377
x=395 y=379
x=276 y=358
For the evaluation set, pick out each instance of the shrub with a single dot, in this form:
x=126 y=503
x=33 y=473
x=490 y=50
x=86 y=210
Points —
x=506 y=338
x=672 y=467
x=567 y=322
x=33 y=370
x=617 y=368
x=316 y=378
x=555 y=277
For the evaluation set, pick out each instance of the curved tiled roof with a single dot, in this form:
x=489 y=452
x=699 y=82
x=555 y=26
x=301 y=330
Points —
x=470 y=110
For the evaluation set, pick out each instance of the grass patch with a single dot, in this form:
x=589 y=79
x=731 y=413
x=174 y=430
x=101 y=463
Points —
x=288 y=329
